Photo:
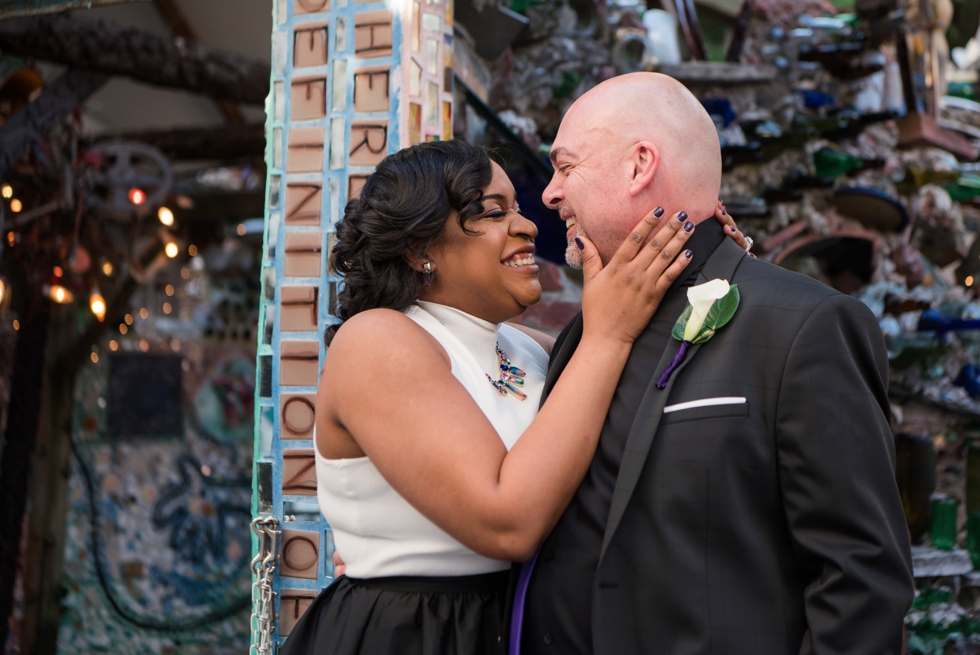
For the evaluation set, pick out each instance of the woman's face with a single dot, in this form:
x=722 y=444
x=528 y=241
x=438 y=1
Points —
x=490 y=274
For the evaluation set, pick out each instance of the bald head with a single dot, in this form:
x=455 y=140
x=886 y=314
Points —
x=657 y=108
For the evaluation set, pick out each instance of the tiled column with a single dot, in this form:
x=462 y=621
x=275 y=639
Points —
x=352 y=82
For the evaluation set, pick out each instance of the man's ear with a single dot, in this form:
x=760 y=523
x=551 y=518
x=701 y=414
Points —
x=643 y=166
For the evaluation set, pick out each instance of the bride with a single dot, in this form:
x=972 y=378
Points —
x=436 y=468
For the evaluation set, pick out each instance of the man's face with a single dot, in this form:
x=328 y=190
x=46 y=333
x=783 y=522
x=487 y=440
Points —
x=587 y=188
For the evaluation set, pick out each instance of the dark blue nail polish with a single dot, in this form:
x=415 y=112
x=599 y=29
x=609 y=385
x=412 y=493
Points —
x=688 y=226
x=733 y=228
x=658 y=212
x=724 y=212
x=688 y=254
x=579 y=243
x=722 y=202
x=682 y=217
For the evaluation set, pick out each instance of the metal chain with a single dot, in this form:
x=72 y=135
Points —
x=263 y=597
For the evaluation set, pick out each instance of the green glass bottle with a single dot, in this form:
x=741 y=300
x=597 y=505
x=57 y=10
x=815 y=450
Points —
x=944 y=521
x=830 y=162
x=915 y=472
x=966 y=188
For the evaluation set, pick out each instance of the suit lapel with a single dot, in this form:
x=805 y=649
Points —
x=566 y=344
x=721 y=264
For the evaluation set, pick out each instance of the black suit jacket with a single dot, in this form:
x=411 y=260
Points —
x=773 y=526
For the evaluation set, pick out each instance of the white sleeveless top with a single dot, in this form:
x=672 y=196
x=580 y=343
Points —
x=376 y=531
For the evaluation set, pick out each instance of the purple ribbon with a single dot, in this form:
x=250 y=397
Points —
x=678 y=358
x=520 y=595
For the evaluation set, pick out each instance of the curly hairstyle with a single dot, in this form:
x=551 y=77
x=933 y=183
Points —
x=403 y=209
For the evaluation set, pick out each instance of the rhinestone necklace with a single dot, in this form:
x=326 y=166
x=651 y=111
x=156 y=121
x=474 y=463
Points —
x=511 y=377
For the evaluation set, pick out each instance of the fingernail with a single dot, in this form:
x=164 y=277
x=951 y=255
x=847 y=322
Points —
x=724 y=212
x=688 y=226
x=682 y=217
x=722 y=203
x=688 y=254
x=658 y=212
x=733 y=228
x=579 y=243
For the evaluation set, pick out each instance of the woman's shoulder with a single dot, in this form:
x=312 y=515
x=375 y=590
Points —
x=382 y=329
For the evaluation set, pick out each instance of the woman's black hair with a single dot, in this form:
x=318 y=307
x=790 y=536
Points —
x=403 y=208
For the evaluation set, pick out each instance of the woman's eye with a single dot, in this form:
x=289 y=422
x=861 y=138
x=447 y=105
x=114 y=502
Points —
x=496 y=214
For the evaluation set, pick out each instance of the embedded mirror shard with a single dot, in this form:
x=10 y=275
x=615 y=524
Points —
x=339 y=91
x=373 y=34
x=264 y=474
x=302 y=254
x=414 y=123
x=310 y=46
x=300 y=553
x=298 y=363
x=336 y=143
x=298 y=473
x=305 y=150
x=368 y=142
x=297 y=416
x=265 y=376
x=308 y=100
x=298 y=308
x=303 y=202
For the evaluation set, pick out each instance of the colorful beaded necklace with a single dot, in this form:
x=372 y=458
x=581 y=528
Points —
x=511 y=377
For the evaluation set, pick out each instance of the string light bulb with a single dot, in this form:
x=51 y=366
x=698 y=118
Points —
x=7 y=191
x=107 y=268
x=60 y=294
x=16 y=205
x=97 y=304
x=171 y=249
x=3 y=292
x=137 y=196
x=166 y=216
x=969 y=280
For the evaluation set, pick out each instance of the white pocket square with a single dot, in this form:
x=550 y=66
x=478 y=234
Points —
x=705 y=402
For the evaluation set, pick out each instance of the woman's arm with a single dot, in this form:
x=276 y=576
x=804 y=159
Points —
x=388 y=384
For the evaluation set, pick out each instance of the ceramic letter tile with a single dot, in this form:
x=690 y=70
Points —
x=339 y=90
x=368 y=142
x=414 y=123
x=303 y=201
x=371 y=89
x=372 y=33
x=300 y=553
x=309 y=98
x=297 y=416
x=302 y=254
x=298 y=308
x=354 y=185
x=298 y=363
x=301 y=7
x=293 y=604
x=305 y=152
x=310 y=46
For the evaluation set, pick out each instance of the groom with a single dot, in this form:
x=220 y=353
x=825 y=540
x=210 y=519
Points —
x=750 y=506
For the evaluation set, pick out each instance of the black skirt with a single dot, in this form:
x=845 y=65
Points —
x=404 y=616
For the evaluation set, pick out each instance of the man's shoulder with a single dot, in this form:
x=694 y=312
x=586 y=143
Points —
x=764 y=283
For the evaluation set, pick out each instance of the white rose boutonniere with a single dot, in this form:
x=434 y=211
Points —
x=710 y=306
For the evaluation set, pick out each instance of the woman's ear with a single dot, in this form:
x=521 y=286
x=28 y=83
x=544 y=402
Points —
x=416 y=260
x=643 y=166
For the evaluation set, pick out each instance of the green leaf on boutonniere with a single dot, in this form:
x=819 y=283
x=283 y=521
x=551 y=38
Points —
x=720 y=313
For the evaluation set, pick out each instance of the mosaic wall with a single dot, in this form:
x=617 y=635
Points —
x=158 y=548
x=352 y=82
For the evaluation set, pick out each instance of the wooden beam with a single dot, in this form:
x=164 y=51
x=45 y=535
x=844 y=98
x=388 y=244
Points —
x=114 y=50
x=17 y=8
x=222 y=142
x=175 y=20
x=38 y=118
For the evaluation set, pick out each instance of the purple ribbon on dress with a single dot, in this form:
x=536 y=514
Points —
x=520 y=595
